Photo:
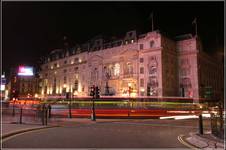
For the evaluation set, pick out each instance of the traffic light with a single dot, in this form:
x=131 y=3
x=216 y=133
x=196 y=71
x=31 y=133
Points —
x=92 y=93
x=97 y=92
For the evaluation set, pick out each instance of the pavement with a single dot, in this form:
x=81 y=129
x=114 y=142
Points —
x=205 y=141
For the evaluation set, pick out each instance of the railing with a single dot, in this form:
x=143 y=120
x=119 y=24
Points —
x=217 y=121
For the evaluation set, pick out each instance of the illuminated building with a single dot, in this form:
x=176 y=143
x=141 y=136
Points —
x=23 y=83
x=150 y=64
x=3 y=89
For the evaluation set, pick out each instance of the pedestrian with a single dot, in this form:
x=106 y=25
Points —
x=49 y=108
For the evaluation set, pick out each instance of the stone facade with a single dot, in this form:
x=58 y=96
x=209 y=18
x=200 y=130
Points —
x=146 y=65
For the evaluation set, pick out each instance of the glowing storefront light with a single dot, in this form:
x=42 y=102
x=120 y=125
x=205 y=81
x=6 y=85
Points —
x=142 y=89
x=36 y=95
x=129 y=84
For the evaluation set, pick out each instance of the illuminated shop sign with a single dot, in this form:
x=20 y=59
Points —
x=25 y=71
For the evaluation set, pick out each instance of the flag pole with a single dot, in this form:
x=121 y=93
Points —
x=152 y=21
x=195 y=22
x=196 y=33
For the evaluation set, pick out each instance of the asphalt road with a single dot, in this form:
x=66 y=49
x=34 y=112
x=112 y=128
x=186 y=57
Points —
x=149 y=133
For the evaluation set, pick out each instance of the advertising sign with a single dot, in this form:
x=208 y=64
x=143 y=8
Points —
x=25 y=71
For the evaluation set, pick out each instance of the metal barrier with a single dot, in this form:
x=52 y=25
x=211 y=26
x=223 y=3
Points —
x=22 y=114
x=217 y=122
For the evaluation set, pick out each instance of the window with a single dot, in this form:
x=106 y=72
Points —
x=65 y=80
x=141 y=70
x=128 y=68
x=76 y=85
x=141 y=60
x=55 y=65
x=141 y=82
x=117 y=69
x=152 y=70
x=76 y=60
x=152 y=44
x=141 y=46
x=65 y=62
x=65 y=70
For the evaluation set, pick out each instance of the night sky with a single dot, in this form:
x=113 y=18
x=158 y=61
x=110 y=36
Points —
x=33 y=29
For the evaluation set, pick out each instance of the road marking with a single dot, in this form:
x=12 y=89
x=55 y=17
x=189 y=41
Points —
x=24 y=132
x=180 y=139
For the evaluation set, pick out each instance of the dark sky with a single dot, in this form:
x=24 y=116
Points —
x=32 y=29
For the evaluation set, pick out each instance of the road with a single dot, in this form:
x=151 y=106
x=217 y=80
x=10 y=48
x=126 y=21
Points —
x=108 y=133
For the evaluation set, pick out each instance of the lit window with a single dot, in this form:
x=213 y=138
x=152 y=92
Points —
x=117 y=69
x=132 y=41
x=51 y=67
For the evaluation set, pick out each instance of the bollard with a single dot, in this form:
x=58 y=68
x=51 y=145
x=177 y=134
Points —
x=200 y=124
x=21 y=115
x=13 y=108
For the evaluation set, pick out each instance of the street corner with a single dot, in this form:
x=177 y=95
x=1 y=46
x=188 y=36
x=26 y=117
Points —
x=196 y=141
x=13 y=132
x=184 y=140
